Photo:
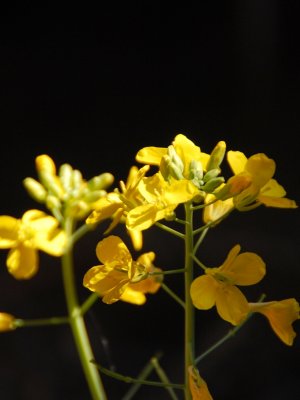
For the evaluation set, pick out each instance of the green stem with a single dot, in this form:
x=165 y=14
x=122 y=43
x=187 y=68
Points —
x=170 y=230
x=77 y=322
x=163 y=377
x=89 y=302
x=26 y=323
x=172 y=294
x=189 y=334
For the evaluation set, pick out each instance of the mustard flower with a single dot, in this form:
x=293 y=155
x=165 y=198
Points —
x=263 y=188
x=218 y=285
x=120 y=277
x=115 y=205
x=160 y=200
x=197 y=385
x=281 y=315
x=6 y=322
x=24 y=237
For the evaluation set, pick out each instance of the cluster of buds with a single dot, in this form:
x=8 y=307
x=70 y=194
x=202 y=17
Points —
x=65 y=193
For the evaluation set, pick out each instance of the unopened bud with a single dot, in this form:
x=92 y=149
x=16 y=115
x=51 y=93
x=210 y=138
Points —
x=76 y=179
x=212 y=173
x=35 y=189
x=101 y=181
x=216 y=156
x=52 y=202
x=6 y=322
x=212 y=184
x=52 y=183
x=45 y=163
x=234 y=186
x=65 y=175
x=91 y=197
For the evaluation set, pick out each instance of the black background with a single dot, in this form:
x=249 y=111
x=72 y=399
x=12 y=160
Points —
x=92 y=85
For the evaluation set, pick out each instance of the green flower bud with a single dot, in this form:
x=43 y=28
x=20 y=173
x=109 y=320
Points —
x=196 y=173
x=101 y=181
x=52 y=202
x=52 y=183
x=65 y=174
x=212 y=185
x=76 y=179
x=35 y=189
x=216 y=156
x=91 y=197
x=212 y=173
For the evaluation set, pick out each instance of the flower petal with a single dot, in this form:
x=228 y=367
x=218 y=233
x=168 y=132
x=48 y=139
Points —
x=112 y=249
x=133 y=296
x=203 y=292
x=151 y=155
x=22 y=262
x=231 y=304
x=9 y=228
x=237 y=161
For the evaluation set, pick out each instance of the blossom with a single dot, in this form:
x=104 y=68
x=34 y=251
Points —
x=120 y=277
x=197 y=385
x=24 y=237
x=218 y=285
x=116 y=205
x=281 y=315
x=6 y=322
x=263 y=189
x=160 y=200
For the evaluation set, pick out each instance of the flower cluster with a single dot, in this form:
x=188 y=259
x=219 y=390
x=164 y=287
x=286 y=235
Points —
x=178 y=175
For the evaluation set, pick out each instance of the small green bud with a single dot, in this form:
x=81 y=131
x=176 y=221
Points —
x=212 y=185
x=52 y=183
x=65 y=174
x=52 y=202
x=212 y=173
x=101 y=181
x=216 y=156
x=76 y=179
x=35 y=189
x=195 y=170
x=175 y=159
x=91 y=197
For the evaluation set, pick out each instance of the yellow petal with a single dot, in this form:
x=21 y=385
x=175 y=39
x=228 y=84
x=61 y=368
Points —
x=151 y=155
x=281 y=202
x=231 y=304
x=39 y=221
x=111 y=249
x=22 y=262
x=203 y=292
x=216 y=210
x=237 y=161
x=136 y=237
x=197 y=385
x=105 y=208
x=132 y=296
x=53 y=243
x=281 y=315
x=244 y=269
x=9 y=228
x=261 y=168
x=141 y=217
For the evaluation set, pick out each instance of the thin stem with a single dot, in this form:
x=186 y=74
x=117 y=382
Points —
x=129 y=379
x=81 y=232
x=26 y=323
x=189 y=334
x=170 y=230
x=169 y=272
x=200 y=240
x=163 y=377
x=146 y=371
x=77 y=323
x=88 y=303
x=198 y=262
x=172 y=294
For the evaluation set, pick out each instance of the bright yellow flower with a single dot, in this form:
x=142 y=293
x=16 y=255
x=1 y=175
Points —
x=197 y=385
x=116 y=205
x=263 y=189
x=186 y=150
x=218 y=285
x=160 y=200
x=281 y=315
x=217 y=209
x=6 y=322
x=120 y=277
x=34 y=231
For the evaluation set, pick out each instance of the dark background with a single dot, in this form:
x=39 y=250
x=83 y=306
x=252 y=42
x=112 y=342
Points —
x=91 y=86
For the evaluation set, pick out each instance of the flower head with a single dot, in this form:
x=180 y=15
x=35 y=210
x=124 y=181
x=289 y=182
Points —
x=24 y=237
x=263 y=189
x=281 y=315
x=219 y=285
x=120 y=277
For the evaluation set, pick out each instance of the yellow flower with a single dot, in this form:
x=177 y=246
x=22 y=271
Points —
x=120 y=277
x=34 y=231
x=197 y=385
x=281 y=315
x=116 y=205
x=185 y=149
x=263 y=189
x=218 y=285
x=216 y=210
x=160 y=200
x=6 y=322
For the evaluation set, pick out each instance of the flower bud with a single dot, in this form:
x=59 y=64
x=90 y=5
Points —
x=45 y=163
x=212 y=184
x=65 y=175
x=212 y=173
x=216 y=156
x=35 y=189
x=6 y=322
x=234 y=186
x=52 y=183
x=76 y=180
x=101 y=181
x=91 y=197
